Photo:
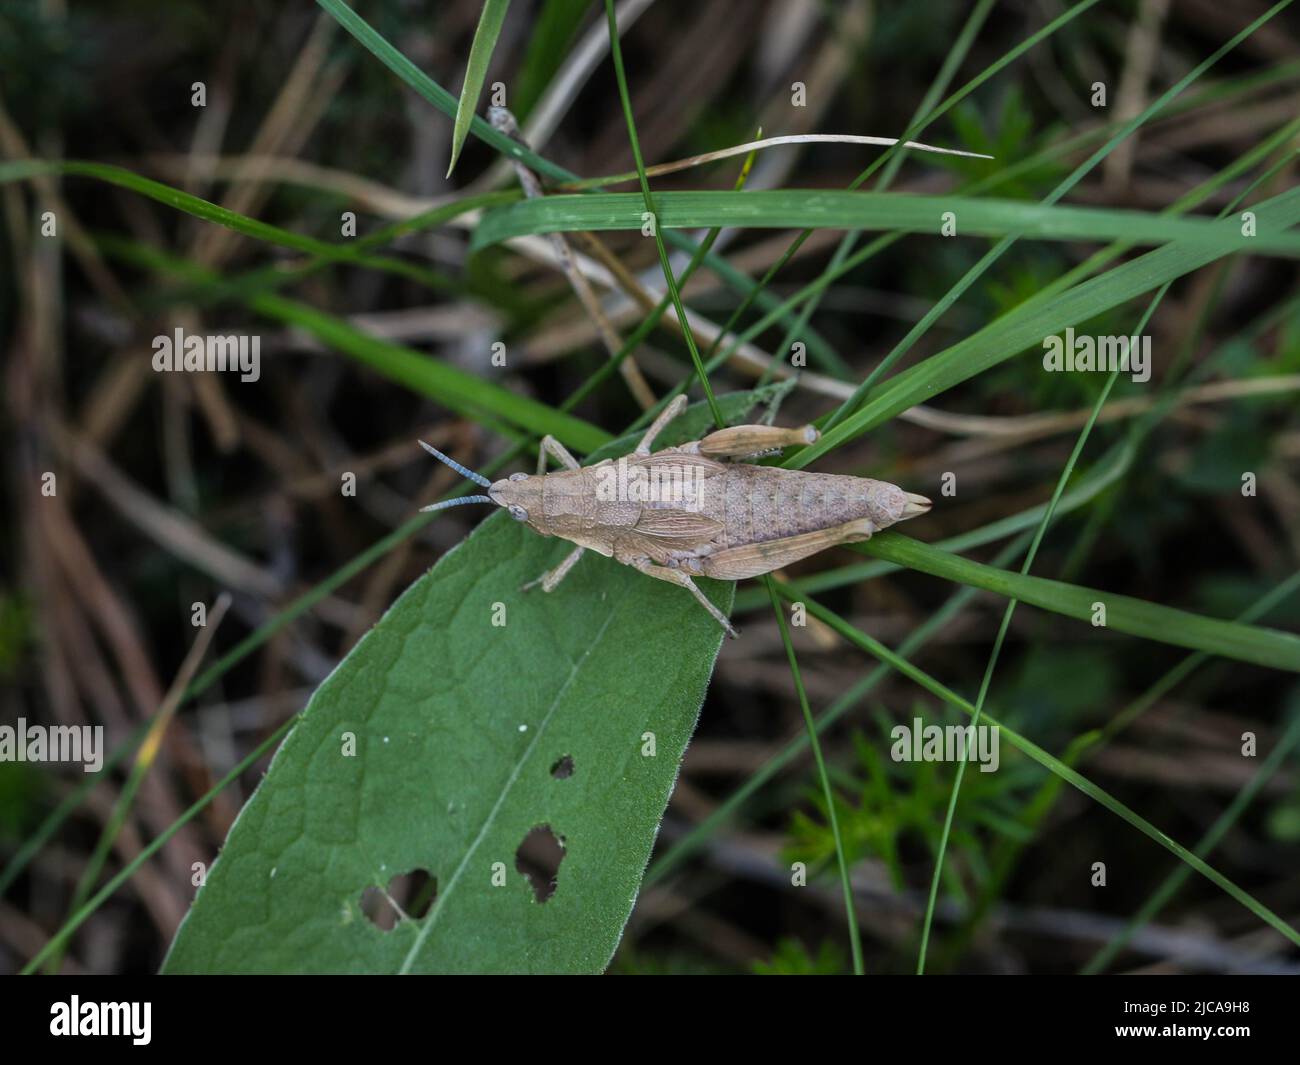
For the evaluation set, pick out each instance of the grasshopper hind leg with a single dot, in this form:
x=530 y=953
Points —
x=751 y=441
x=683 y=580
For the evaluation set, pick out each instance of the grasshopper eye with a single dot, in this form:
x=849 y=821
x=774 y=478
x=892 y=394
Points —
x=518 y=477
x=518 y=513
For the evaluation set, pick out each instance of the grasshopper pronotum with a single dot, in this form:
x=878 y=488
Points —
x=684 y=512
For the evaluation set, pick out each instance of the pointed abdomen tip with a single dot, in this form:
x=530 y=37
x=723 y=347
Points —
x=916 y=505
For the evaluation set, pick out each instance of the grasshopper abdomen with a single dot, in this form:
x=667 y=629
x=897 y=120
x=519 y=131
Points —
x=764 y=503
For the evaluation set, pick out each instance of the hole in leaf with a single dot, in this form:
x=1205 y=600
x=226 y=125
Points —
x=408 y=895
x=563 y=769
x=538 y=859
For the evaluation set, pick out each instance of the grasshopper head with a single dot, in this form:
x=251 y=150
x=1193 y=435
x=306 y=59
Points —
x=521 y=494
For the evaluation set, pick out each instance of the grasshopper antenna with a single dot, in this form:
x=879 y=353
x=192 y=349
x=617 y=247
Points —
x=459 y=501
x=477 y=478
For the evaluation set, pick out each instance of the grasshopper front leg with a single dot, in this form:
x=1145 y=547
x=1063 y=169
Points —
x=657 y=426
x=561 y=454
x=551 y=578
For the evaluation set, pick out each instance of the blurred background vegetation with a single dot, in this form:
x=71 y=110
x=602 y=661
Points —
x=173 y=488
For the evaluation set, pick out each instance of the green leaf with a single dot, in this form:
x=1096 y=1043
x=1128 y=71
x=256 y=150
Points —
x=480 y=54
x=458 y=726
x=885 y=211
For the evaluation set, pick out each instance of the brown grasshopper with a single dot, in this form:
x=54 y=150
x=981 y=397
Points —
x=683 y=512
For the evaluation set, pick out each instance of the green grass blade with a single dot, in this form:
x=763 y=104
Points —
x=1007 y=614
x=810 y=727
x=1028 y=324
x=455 y=389
x=1108 y=470
x=449 y=386
x=652 y=319
x=782 y=309
x=1213 y=835
x=1005 y=625
x=648 y=203
x=59 y=940
x=430 y=90
x=878 y=650
x=1040 y=805
x=893 y=162
x=998 y=641
x=425 y=86
x=682 y=848
x=353 y=254
x=1135 y=617
x=32 y=846
x=883 y=211
x=480 y=54
x=1071 y=180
